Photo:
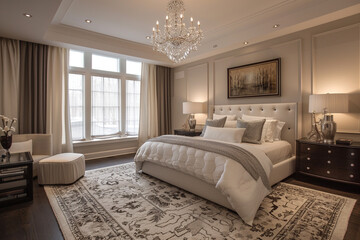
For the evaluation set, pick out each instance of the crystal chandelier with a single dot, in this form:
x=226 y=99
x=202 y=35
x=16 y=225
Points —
x=176 y=41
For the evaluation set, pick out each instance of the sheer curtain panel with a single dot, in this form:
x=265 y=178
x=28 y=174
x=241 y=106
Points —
x=148 y=122
x=9 y=77
x=58 y=117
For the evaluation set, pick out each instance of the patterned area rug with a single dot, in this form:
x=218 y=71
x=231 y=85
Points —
x=117 y=203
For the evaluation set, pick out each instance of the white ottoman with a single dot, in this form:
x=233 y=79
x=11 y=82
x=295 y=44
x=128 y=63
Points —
x=64 y=168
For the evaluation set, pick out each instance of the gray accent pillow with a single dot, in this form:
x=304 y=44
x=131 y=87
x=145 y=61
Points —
x=253 y=130
x=214 y=123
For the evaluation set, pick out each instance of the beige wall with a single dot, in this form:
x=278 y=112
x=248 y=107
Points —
x=318 y=60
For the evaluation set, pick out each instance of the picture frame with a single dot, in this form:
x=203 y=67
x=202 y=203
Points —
x=255 y=79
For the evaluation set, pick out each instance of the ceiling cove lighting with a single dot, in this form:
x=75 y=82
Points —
x=28 y=15
x=176 y=40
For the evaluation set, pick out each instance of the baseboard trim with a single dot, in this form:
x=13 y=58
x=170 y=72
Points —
x=110 y=153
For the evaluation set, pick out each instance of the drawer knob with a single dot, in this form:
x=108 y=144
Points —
x=308 y=168
x=329 y=162
x=352 y=165
x=329 y=151
x=308 y=158
x=328 y=172
x=308 y=149
x=351 y=176
x=352 y=154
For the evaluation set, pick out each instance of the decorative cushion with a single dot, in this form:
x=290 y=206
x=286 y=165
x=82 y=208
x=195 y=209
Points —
x=213 y=123
x=17 y=147
x=269 y=129
x=231 y=117
x=253 y=130
x=230 y=124
x=233 y=135
x=278 y=130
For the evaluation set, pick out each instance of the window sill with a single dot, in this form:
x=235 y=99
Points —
x=97 y=141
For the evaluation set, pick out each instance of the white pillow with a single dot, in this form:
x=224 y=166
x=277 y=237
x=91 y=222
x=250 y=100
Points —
x=18 y=147
x=270 y=130
x=228 y=117
x=230 y=124
x=233 y=135
x=278 y=130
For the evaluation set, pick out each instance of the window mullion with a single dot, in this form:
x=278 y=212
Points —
x=88 y=99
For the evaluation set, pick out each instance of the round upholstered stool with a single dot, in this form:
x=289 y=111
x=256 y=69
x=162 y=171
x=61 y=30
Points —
x=64 y=168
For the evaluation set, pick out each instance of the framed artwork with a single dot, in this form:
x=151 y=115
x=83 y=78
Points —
x=254 y=80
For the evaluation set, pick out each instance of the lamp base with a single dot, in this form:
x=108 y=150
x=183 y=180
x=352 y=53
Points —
x=328 y=128
x=192 y=123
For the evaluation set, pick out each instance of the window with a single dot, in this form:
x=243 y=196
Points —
x=104 y=95
x=76 y=104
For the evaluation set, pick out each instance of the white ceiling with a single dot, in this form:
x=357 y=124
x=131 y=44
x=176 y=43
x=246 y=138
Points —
x=121 y=26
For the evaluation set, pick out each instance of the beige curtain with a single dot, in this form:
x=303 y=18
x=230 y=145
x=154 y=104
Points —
x=9 y=77
x=148 y=104
x=163 y=91
x=58 y=117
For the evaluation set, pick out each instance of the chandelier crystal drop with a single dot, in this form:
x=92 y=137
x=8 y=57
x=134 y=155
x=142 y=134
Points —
x=175 y=40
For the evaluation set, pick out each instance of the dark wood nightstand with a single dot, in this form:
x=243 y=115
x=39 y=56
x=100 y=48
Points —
x=329 y=161
x=187 y=132
x=16 y=179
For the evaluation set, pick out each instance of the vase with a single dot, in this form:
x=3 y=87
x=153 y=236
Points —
x=6 y=142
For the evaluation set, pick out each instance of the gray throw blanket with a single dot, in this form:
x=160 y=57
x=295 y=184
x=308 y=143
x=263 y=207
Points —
x=250 y=163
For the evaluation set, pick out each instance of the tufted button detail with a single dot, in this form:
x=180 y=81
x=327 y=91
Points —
x=351 y=176
x=329 y=151
x=262 y=109
x=329 y=162
x=328 y=172
x=250 y=109
x=230 y=109
x=308 y=168
x=289 y=109
x=352 y=165
x=352 y=154
x=221 y=109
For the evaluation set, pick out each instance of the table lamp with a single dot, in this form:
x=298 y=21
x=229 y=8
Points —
x=191 y=108
x=326 y=104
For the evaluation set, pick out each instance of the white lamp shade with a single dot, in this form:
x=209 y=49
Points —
x=333 y=103
x=193 y=107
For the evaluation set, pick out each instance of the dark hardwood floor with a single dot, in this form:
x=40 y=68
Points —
x=35 y=220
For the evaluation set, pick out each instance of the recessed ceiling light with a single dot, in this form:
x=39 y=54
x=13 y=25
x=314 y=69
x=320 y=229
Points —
x=246 y=43
x=88 y=21
x=276 y=26
x=148 y=37
x=27 y=15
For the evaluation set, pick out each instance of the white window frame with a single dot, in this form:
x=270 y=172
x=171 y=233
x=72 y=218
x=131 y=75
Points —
x=88 y=72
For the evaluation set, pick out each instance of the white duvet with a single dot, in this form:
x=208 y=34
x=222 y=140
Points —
x=242 y=192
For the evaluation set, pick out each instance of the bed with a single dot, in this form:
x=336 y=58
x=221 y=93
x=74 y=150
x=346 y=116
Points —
x=282 y=167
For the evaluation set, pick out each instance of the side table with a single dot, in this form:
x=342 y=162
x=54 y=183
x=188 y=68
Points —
x=16 y=181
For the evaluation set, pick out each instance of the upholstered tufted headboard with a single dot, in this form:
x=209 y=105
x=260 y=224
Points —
x=286 y=112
